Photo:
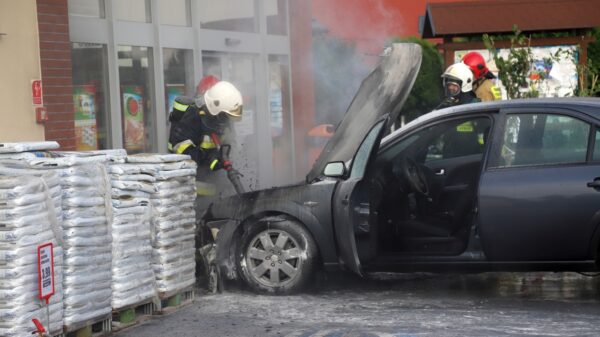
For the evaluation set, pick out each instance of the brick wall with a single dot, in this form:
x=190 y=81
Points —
x=55 y=59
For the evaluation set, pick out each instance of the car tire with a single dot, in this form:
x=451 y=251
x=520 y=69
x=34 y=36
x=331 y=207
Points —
x=276 y=256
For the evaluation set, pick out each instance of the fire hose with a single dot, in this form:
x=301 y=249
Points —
x=232 y=174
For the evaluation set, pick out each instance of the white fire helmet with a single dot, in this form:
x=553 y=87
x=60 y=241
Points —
x=460 y=74
x=224 y=97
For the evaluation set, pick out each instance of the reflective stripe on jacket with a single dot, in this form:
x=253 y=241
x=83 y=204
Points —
x=487 y=91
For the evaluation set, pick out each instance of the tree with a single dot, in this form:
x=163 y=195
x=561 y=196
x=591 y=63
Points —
x=427 y=90
x=513 y=70
x=589 y=72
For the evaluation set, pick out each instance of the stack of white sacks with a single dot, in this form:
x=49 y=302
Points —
x=130 y=189
x=173 y=218
x=27 y=220
x=123 y=229
x=86 y=212
x=133 y=277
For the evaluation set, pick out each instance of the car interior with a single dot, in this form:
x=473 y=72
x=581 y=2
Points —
x=419 y=196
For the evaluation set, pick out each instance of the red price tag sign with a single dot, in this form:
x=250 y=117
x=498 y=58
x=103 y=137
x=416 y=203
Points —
x=46 y=271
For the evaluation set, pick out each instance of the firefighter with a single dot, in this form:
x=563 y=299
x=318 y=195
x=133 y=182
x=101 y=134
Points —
x=196 y=127
x=195 y=124
x=483 y=84
x=458 y=86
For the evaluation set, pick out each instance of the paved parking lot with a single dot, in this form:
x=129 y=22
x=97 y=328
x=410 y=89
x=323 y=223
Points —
x=491 y=304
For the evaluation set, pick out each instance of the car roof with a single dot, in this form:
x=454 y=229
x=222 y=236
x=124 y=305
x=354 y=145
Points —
x=589 y=105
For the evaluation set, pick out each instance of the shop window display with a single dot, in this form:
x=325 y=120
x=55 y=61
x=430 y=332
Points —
x=136 y=89
x=280 y=116
x=179 y=75
x=90 y=96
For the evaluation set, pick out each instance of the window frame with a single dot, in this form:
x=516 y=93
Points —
x=498 y=139
x=491 y=115
x=592 y=141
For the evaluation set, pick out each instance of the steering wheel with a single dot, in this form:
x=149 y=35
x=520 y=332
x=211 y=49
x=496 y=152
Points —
x=414 y=175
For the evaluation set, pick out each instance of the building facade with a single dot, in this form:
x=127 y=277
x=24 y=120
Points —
x=110 y=70
x=19 y=45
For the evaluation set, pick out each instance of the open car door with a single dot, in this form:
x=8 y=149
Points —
x=370 y=115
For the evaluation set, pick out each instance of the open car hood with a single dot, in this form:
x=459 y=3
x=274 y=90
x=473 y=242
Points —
x=381 y=95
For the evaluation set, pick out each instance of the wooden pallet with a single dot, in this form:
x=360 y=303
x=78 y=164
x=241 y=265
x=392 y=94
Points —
x=169 y=302
x=131 y=315
x=57 y=334
x=96 y=327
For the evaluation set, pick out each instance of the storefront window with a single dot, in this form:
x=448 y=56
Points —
x=211 y=65
x=280 y=113
x=234 y=15
x=90 y=96
x=179 y=75
x=90 y=8
x=133 y=10
x=174 y=12
x=276 y=12
x=136 y=88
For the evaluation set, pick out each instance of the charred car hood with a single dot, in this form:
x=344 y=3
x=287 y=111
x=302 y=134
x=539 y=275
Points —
x=380 y=96
x=238 y=207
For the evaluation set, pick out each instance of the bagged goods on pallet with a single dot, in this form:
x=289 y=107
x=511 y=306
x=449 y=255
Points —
x=132 y=273
x=86 y=211
x=27 y=146
x=173 y=219
x=26 y=221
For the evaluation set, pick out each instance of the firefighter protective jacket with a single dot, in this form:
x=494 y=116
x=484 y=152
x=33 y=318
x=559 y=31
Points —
x=486 y=90
x=191 y=132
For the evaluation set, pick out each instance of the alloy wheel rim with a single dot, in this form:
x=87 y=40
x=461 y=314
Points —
x=274 y=258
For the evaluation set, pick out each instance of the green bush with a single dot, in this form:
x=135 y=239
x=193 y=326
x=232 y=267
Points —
x=427 y=91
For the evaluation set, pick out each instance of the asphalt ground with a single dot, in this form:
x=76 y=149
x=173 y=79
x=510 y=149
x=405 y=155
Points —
x=489 y=304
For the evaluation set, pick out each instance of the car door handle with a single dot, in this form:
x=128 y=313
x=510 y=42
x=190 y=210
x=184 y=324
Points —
x=440 y=172
x=345 y=201
x=594 y=184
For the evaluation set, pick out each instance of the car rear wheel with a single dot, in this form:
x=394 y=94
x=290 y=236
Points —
x=277 y=256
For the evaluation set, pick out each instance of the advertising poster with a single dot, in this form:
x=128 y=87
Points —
x=133 y=117
x=173 y=91
x=556 y=79
x=84 y=100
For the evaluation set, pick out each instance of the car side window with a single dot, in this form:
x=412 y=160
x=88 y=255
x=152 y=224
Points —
x=458 y=138
x=543 y=139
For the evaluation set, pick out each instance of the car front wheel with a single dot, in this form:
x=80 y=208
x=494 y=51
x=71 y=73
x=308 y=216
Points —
x=277 y=256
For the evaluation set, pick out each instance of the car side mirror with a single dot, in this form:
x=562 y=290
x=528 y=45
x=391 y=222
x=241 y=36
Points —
x=335 y=169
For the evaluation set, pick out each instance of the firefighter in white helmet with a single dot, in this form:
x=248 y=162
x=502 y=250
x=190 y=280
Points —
x=458 y=86
x=196 y=129
x=197 y=125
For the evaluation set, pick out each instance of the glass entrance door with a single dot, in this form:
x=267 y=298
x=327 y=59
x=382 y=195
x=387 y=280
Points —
x=240 y=69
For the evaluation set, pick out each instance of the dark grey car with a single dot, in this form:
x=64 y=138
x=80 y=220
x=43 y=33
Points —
x=509 y=185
